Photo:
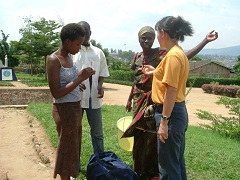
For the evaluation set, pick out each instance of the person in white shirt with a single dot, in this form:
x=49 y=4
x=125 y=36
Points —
x=91 y=99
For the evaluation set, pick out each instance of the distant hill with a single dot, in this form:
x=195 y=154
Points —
x=229 y=51
x=227 y=56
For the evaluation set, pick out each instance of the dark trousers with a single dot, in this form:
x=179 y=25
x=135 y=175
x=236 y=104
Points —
x=171 y=153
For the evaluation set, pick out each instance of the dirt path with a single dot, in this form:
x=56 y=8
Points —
x=196 y=99
x=18 y=156
x=19 y=159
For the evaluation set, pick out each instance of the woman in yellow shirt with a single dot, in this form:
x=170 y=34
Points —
x=168 y=93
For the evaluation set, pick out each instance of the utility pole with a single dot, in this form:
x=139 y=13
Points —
x=124 y=46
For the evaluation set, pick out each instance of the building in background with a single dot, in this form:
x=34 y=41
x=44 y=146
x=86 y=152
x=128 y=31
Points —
x=209 y=69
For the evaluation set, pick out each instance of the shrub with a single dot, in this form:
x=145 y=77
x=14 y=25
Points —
x=228 y=126
x=122 y=75
x=218 y=89
x=18 y=69
x=230 y=91
x=217 y=83
x=205 y=80
x=238 y=93
x=208 y=88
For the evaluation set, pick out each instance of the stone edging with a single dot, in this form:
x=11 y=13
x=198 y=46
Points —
x=36 y=143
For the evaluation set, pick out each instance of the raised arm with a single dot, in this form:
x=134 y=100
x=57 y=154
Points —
x=212 y=36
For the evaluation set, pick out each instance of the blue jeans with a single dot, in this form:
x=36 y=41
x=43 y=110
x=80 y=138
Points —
x=94 y=117
x=171 y=153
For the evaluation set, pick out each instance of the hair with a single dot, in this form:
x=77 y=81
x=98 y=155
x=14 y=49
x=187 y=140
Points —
x=175 y=27
x=72 y=31
x=85 y=24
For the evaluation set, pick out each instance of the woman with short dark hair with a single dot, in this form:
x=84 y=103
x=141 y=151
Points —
x=64 y=80
x=168 y=95
x=143 y=126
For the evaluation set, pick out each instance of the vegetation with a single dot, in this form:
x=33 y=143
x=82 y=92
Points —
x=199 y=81
x=208 y=155
x=7 y=51
x=124 y=78
x=236 y=67
x=195 y=58
x=121 y=75
x=32 y=81
x=39 y=39
x=227 y=126
x=230 y=91
x=212 y=151
x=5 y=83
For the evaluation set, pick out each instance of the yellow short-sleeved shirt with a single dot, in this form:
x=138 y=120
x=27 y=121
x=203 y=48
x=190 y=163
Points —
x=173 y=71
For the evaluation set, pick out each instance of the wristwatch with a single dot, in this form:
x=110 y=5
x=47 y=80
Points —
x=165 y=118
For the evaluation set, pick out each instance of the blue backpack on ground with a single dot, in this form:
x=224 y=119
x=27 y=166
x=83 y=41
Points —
x=107 y=166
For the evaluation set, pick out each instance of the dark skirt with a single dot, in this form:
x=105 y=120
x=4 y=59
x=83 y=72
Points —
x=145 y=154
x=68 y=119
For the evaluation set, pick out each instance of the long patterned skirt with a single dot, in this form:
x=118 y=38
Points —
x=145 y=155
x=68 y=119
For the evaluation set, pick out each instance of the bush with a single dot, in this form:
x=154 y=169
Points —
x=238 y=93
x=218 y=89
x=18 y=69
x=122 y=75
x=208 y=88
x=228 y=126
x=199 y=81
x=230 y=91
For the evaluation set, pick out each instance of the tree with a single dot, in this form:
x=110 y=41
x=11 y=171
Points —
x=4 y=47
x=236 y=67
x=195 y=58
x=46 y=39
x=116 y=64
x=6 y=50
x=39 y=39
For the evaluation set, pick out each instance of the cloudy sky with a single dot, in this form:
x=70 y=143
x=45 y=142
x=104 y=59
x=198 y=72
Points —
x=115 y=23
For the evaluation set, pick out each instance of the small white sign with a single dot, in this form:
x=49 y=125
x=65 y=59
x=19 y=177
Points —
x=7 y=75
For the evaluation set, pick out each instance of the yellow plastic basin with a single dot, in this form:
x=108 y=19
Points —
x=122 y=124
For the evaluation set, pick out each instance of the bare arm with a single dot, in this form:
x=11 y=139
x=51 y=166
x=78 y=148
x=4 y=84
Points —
x=100 y=87
x=129 y=101
x=212 y=36
x=53 y=70
x=169 y=100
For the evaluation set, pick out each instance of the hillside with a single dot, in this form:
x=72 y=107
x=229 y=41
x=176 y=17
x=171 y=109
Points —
x=228 y=56
x=229 y=51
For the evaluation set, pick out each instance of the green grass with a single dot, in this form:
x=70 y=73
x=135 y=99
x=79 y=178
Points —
x=208 y=155
x=113 y=81
x=32 y=81
x=211 y=156
x=5 y=83
x=39 y=80
x=110 y=116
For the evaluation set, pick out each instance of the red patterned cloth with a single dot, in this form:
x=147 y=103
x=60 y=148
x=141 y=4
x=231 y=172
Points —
x=145 y=143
